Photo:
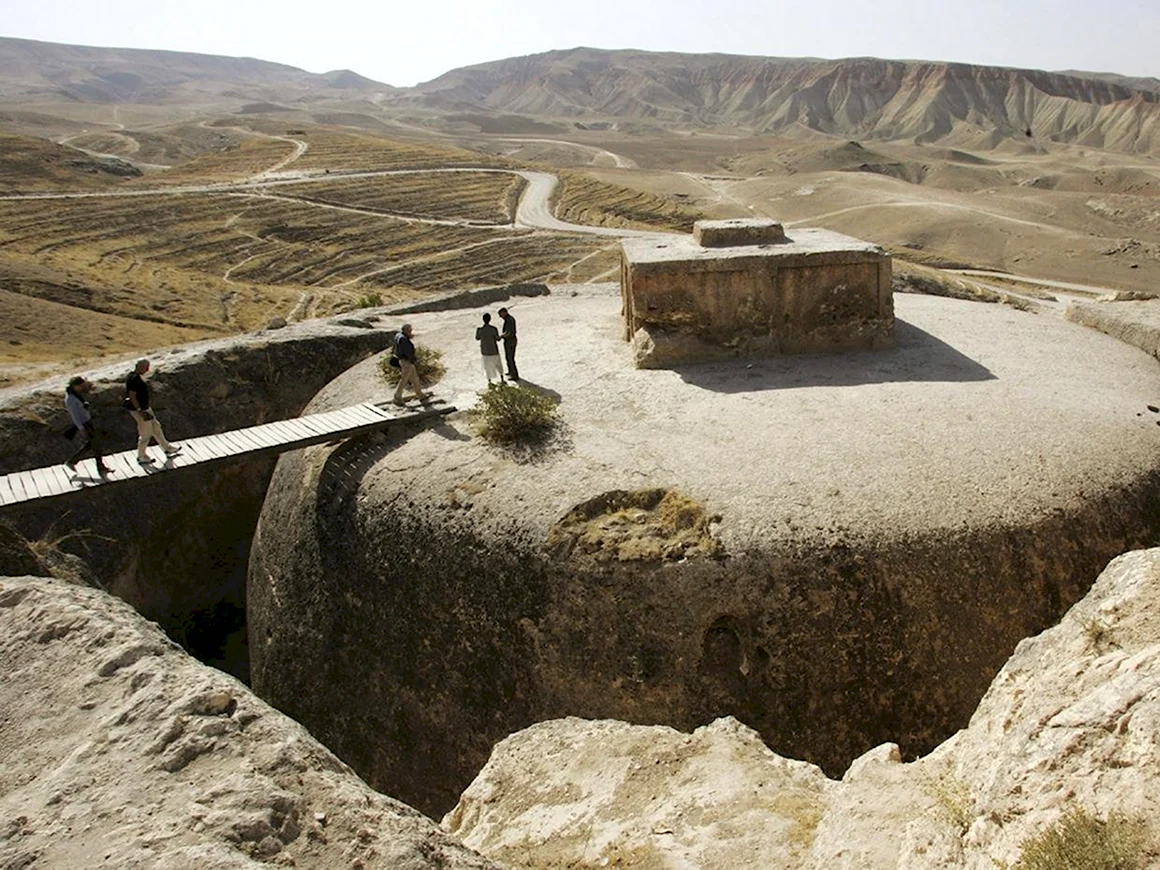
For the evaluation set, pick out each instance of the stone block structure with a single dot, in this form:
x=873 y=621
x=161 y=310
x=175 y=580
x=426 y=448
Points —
x=742 y=288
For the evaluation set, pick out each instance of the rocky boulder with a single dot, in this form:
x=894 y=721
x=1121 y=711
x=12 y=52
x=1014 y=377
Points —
x=117 y=749
x=836 y=550
x=1069 y=725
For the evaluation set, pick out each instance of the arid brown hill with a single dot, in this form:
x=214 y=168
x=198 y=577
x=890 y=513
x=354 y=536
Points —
x=970 y=105
x=31 y=70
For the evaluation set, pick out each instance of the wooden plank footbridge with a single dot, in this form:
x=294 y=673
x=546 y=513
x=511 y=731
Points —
x=268 y=438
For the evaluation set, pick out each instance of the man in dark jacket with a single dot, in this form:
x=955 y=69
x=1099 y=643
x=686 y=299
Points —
x=408 y=373
x=508 y=334
x=137 y=397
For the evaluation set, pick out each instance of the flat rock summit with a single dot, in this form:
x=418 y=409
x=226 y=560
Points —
x=838 y=550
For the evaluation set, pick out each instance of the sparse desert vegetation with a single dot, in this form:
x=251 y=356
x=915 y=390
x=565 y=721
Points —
x=510 y=414
x=1082 y=841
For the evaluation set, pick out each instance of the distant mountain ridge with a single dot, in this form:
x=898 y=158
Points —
x=32 y=70
x=855 y=97
x=955 y=104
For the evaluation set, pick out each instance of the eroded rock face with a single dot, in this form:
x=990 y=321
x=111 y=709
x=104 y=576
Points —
x=117 y=749
x=579 y=793
x=176 y=547
x=1070 y=721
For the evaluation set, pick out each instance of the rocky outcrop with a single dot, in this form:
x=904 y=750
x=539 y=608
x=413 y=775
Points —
x=177 y=547
x=1136 y=321
x=1069 y=724
x=117 y=749
x=867 y=538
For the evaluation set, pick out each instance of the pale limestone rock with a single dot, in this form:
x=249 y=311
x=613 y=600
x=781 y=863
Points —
x=574 y=792
x=1073 y=719
x=117 y=749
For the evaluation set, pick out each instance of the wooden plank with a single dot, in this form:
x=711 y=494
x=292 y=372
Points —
x=269 y=433
x=372 y=414
x=252 y=438
x=29 y=483
x=211 y=447
x=322 y=424
x=347 y=418
x=126 y=465
x=65 y=482
x=7 y=496
x=224 y=446
x=265 y=435
x=250 y=443
x=18 y=493
x=226 y=440
x=238 y=447
x=365 y=412
x=47 y=482
x=187 y=457
x=291 y=431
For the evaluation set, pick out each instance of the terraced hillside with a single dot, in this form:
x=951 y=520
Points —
x=273 y=222
x=487 y=198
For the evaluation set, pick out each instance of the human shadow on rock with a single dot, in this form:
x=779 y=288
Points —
x=544 y=391
x=916 y=357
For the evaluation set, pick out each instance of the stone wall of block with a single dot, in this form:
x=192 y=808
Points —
x=757 y=304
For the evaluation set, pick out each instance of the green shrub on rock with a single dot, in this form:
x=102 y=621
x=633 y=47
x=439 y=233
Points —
x=511 y=415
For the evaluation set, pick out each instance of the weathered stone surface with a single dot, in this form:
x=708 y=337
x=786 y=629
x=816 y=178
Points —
x=117 y=749
x=572 y=792
x=1070 y=721
x=890 y=525
x=818 y=291
x=738 y=231
x=176 y=546
x=1136 y=322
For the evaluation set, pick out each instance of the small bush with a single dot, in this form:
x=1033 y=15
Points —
x=429 y=362
x=511 y=414
x=1080 y=841
x=371 y=300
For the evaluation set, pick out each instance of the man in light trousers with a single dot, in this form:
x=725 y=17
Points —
x=137 y=399
x=408 y=373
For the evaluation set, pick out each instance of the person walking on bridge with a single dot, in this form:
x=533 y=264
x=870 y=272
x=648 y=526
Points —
x=509 y=343
x=408 y=372
x=137 y=400
x=82 y=420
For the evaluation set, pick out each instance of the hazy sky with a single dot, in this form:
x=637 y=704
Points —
x=403 y=43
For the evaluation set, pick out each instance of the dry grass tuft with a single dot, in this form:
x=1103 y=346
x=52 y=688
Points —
x=644 y=525
x=1081 y=841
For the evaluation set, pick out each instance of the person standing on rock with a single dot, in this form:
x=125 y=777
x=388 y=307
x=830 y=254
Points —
x=137 y=401
x=509 y=343
x=488 y=338
x=82 y=419
x=408 y=372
